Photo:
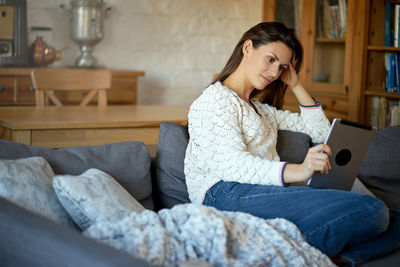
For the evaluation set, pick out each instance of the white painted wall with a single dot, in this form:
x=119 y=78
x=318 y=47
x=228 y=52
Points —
x=180 y=44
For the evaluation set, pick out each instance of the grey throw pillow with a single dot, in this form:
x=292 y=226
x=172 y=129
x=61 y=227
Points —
x=27 y=183
x=380 y=170
x=94 y=196
x=127 y=162
x=172 y=142
x=292 y=146
x=170 y=177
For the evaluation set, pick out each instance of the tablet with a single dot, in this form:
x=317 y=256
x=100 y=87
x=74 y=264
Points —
x=349 y=142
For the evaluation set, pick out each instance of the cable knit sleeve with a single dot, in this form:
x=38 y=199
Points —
x=218 y=144
x=311 y=120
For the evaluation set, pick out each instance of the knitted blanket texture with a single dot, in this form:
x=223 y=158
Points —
x=192 y=233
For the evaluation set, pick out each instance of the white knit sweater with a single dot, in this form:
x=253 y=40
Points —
x=229 y=141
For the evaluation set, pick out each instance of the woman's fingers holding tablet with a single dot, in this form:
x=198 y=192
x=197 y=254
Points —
x=317 y=158
x=321 y=148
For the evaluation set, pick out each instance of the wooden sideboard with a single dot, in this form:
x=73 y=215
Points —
x=16 y=88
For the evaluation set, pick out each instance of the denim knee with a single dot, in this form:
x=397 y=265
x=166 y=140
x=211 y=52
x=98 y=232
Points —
x=360 y=218
x=373 y=219
x=376 y=215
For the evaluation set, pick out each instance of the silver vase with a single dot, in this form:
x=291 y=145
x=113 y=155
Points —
x=87 y=22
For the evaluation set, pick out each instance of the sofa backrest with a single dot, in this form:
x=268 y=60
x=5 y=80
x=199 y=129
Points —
x=380 y=170
x=127 y=162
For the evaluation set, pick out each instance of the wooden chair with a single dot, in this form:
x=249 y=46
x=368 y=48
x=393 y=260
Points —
x=46 y=81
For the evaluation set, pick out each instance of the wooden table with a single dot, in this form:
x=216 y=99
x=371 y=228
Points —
x=68 y=126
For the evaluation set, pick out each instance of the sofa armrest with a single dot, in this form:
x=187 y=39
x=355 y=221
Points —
x=28 y=239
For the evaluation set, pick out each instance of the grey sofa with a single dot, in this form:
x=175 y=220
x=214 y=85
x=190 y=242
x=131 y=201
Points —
x=29 y=239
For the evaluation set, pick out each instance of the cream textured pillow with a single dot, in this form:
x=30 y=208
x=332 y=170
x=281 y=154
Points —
x=27 y=183
x=94 y=196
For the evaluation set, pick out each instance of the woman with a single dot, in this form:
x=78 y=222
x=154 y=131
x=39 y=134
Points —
x=231 y=161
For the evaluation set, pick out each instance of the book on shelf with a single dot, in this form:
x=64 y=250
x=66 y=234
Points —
x=343 y=17
x=396 y=26
x=331 y=19
x=394 y=113
x=392 y=23
x=392 y=67
x=384 y=112
x=388 y=35
x=298 y=11
x=396 y=72
x=374 y=112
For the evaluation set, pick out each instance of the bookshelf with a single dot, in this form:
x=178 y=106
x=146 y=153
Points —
x=380 y=107
x=329 y=59
x=347 y=74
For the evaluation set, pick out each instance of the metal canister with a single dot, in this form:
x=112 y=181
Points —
x=87 y=27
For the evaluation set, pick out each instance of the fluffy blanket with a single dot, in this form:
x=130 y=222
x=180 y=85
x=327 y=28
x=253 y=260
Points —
x=193 y=233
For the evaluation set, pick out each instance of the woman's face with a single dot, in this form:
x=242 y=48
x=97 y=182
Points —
x=265 y=64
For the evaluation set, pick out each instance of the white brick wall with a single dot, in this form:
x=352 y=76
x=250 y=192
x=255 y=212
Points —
x=180 y=44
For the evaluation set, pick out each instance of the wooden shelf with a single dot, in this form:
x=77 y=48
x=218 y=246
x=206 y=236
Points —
x=330 y=40
x=336 y=90
x=383 y=48
x=382 y=94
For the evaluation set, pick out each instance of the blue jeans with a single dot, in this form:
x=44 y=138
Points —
x=336 y=222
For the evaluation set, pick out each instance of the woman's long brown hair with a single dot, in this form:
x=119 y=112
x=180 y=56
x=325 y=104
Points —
x=262 y=34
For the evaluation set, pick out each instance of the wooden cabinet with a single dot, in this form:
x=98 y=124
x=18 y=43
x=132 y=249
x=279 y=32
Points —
x=7 y=90
x=375 y=72
x=332 y=69
x=16 y=88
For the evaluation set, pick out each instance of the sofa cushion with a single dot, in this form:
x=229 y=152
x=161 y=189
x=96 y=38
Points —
x=94 y=196
x=172 y=142
x=170 y=177
x=27 y=183
x=292 y=146
x=127 y=162
x=380 y=170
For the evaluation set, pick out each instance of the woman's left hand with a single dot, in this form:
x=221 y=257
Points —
x=289 y=76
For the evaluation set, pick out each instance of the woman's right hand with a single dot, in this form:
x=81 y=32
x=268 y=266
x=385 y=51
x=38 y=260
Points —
x=317 y=159
x=290 y=77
